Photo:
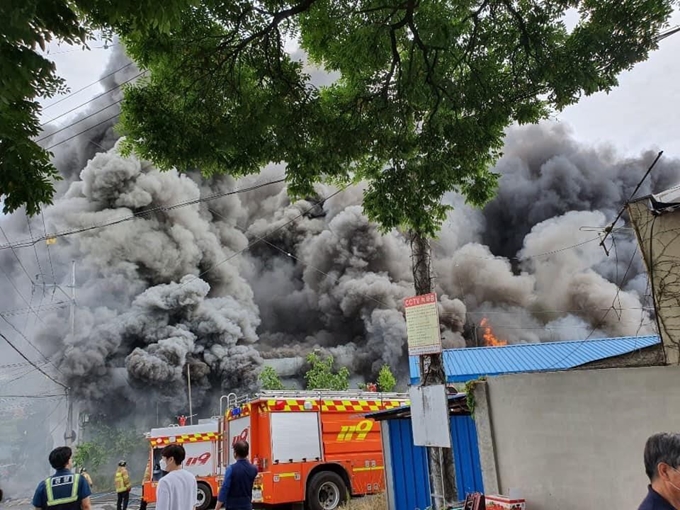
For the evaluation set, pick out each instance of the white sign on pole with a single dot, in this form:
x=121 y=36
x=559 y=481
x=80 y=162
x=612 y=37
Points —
x=430 y=416
x=422 y=325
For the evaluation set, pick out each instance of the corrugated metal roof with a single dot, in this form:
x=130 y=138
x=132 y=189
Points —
x=470 y=363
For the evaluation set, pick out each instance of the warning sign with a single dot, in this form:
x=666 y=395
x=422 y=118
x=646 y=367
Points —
x=422 y=325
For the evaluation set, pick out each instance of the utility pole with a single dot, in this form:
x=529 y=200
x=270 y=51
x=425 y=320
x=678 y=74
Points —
x=70 y=432
x=442 y=468
x=73 y=297
x=191 y=411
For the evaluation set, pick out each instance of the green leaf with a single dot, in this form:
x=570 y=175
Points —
x=420 y=103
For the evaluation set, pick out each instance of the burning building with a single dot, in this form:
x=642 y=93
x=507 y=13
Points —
x=168 y=283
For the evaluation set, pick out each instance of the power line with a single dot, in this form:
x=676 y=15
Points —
x=81 y=132
x=17 y=290
x=47 y=308
x=15 y=255
x=250 y=245
x=602 y=319
x=86 y=87
x=556 y=328
x=20 y=376
x=86 y=103
x=632 y=195
x=33 y=396
x=288 y=254
x=30 y=343
x=519 y=259
x=40 y=271
x=253 y=243
x=105 y=47
x=54 y=410
x=14 y=365
x=10 y=375
x=31 y=362
x=533 y=312
x=59 y=424
x=35 y=250
x=49 y=253
x=69 y=126
x=145 y=212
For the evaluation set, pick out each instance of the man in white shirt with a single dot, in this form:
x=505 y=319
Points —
x=177 y=490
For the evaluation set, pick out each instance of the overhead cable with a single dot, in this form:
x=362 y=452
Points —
x=71 y=94
x=34 y=365
x=137 y=214
x=86 y=103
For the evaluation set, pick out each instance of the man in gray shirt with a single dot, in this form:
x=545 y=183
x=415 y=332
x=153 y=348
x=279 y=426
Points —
x=178 y=489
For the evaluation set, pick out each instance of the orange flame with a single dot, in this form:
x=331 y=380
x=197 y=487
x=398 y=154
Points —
x=490 y=339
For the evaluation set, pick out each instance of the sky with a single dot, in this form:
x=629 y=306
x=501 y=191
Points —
x=636 y=116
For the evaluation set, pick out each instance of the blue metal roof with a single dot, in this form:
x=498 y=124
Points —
x=470 y=363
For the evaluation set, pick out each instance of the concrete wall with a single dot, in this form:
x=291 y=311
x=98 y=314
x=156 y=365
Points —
x=574 y=440
x=660 y=248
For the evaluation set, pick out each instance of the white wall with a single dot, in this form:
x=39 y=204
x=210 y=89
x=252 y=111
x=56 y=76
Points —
x=575 y=440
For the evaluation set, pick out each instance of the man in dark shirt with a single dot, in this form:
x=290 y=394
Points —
x=237 y=489
x=64 y=490
x=662 y=461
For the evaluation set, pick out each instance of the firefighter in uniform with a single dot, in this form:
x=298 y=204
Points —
x=64 y=490
x=123 y=486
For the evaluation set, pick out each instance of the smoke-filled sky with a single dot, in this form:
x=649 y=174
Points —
x=218 y=286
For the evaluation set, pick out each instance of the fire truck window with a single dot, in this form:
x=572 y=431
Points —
x=157 y=473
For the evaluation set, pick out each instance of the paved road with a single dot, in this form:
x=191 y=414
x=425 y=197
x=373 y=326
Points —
x=105 y=501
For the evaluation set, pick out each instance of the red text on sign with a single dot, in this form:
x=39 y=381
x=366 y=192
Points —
x=198 y=461
x=425 y=299
x=243 y=436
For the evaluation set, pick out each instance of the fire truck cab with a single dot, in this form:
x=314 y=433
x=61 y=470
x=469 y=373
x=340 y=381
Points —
x=312 y=447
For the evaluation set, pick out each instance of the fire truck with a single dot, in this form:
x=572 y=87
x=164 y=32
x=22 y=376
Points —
x=312 y=447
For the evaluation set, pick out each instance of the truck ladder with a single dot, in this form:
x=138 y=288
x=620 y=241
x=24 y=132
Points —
x=233 y=400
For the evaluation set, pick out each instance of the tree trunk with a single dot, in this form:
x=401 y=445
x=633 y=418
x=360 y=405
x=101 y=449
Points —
x=442 y=469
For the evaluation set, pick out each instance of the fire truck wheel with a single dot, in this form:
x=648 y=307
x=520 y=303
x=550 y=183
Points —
x=326 y=491
x=204 y=496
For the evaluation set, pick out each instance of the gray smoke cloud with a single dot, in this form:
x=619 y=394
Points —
x=219 y=287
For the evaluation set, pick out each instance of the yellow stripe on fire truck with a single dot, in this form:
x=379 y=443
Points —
x=185 y=438
x=334 y=405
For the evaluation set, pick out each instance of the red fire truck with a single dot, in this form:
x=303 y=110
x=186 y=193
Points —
x=313 y=447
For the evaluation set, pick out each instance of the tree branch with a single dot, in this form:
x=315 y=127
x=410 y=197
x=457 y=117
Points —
x=526 y=39
x=273 y=24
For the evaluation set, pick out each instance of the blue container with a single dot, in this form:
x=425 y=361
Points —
x=407 y=472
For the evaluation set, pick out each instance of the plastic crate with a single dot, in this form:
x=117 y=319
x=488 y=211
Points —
x=497 y=502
